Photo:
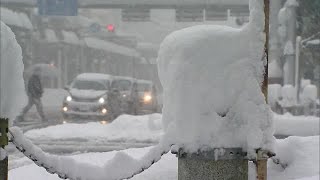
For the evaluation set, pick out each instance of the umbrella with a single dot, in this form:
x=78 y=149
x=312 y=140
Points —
x=43 y=70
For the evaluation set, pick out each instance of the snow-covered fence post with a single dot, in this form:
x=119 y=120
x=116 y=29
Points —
x=3 y=143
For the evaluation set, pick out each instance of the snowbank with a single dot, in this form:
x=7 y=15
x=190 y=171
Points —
x=300 y=154
x=148 y=129
x=12 y=91
x=296 y=125
x=211 y=77
x=125 y=128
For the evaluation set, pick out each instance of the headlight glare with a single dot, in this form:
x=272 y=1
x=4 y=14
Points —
x=147 y=98
x=101 y=100
x=69 y=98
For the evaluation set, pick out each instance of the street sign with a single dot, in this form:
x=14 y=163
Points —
x=58 y=7
x=135 y=14
x=189 y=14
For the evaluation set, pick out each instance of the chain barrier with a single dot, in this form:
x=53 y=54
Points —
x=61 y=175
x=52 y=170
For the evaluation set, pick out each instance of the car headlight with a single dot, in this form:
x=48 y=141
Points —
x=101 y=100
x=69 y=98
x=147 y=98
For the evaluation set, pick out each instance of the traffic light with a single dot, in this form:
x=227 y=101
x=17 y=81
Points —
x=110 y=28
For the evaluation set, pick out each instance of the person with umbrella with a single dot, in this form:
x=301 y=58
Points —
x=34 y=92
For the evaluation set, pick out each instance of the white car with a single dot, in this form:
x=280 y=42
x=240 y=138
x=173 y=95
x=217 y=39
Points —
x=87 y=97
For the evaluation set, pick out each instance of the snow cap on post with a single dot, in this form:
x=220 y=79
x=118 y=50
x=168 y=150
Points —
x=211 y=81
x=12 y=92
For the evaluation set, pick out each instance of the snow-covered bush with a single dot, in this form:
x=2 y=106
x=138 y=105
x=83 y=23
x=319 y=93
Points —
x=12 y=90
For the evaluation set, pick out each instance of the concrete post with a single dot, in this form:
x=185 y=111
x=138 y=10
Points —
x=217 y=164
x=3 y=142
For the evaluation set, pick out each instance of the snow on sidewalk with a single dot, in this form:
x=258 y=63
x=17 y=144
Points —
x=300 y=153
x=148 y=128
x=125 y=128
x=288 y=124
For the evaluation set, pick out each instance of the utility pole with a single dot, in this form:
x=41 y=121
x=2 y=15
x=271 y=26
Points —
x=289 y=66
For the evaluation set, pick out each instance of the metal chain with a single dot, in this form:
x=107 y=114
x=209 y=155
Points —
x=51 y=170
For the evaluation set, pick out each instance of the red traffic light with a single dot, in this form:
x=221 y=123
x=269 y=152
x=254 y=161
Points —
x=110 y=27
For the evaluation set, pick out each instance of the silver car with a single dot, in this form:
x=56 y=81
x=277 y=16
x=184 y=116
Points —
x=88 y=94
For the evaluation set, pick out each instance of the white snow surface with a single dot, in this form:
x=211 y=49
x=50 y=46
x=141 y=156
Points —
x=300 y=154
x=309 y=94
x=288 y=94
x=125 y=128
x=148 y=128
x=211 y=77
x=288 y=124
x=11 y=83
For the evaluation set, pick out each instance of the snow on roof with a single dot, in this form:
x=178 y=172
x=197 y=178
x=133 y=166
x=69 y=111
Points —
x=51 y=36
x=15 y=18
x=93 y=76
x=108 y=46
x=124 y=78
x=70 y=37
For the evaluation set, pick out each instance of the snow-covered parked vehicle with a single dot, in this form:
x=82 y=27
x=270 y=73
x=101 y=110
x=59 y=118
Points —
x=126 y=86
x=87 y=97
x=147 y=99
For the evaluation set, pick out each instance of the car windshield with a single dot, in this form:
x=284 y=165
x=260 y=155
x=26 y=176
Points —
x=89 y=85
x=143 y=87
x=122 y=85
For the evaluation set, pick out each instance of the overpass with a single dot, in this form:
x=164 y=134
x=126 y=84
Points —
x=150 y=4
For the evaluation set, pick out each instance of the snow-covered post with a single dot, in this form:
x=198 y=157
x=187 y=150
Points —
x=12 y=94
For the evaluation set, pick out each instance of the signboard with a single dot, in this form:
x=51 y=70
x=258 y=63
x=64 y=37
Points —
x=58 y=7
x=216 y=14
x=135 y=14
x=189 y=14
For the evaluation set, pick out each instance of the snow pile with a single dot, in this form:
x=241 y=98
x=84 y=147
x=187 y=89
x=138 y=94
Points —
x=289 y=125
x=125 y=128
x=300 y=154
x=211 y=77
x=121 y=166
x=288 y=94
x=11 y=83
x=309 y=94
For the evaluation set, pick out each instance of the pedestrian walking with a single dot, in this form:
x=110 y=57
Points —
x=34 y=92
